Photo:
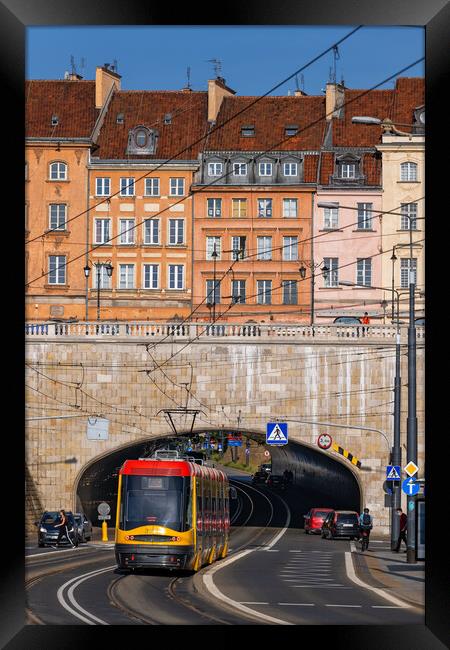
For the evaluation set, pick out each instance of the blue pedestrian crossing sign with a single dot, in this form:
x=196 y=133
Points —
x=277 y=433
x=393 y=473
x=410 y=487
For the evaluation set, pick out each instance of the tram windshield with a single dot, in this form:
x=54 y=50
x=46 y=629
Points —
x=153 y=501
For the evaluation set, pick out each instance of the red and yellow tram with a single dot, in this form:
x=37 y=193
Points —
x=171 y=513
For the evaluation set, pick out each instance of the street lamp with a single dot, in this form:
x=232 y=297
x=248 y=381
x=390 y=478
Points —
x=310 y=264
x=99 y=266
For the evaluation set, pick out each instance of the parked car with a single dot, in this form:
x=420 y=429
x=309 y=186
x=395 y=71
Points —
x=341 y=523
x=48 y=532
x=266 y=467
x=259 y=476
x=84 y=526
x=420 y=321
x=315 y=518
x=347 y=320
x=276 y=481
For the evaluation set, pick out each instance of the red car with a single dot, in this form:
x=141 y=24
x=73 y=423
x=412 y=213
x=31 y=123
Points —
x=315 y=518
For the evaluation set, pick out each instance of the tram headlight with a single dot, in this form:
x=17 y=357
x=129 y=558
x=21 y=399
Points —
x=43 y=530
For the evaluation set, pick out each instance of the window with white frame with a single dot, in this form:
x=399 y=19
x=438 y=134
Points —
x=409 y=216
x=406 y=266
x=58 y=171
x=264 y=248
x=215 y=169
x=290 y=248
x=265 y=169
x=126 y=231
x=290 y=208
x=331 y=218
x=176 y=186
x=126 y=276
x=364 y=272
x=331 y=278
x=214 y=207
x=213 y=293
x=150 y=276
x=57 y=269
x=213 y=244
x=408 y=171
x=57 y=216
x=176 y=276
x=238 y=246
x=176 y=231
x=151 y=187
x=290 y=169
x=239 y=207
x=239 y=169
x=102 y=229
x=364 y=216
x=100 y=276
x=127 y=186
x=290 y=292
x=264 y=207
x=264 y=289
x=102 y=186
x=347 y=170
x=151 y=231
x=238 y=290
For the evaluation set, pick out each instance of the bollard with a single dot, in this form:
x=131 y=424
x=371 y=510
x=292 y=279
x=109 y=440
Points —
x=104 y=531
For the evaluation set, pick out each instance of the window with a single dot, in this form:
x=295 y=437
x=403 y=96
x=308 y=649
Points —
x=58 y=214
x=151 y=231
x=331 y=218
x=150 y=273
x=364 y=216
x=290 y=169
x=405 y=267
x=264 y=288
x=177 y=187
x=126 y=230
x=151 y=187
x=120 y=119
x=127 y=187
x=238 y=245
x=409 y=216
x=215 y=169
x=248 y=130
x=239 y=169
x=347 y=170
x=176 y=231
x=102 y=186
x=104 y=280
x=291 y=129
x=264 y=207
x=264 y=245
x=212 y=242
x=58 y=171
x=213 y=295
x=290 y=207
x=141 y=138
x=55 y=120
x=238 y=290
x=126 y=276
x=176 y=276
x=408 y=171
x=239 y=207
x=290 y=248
x=57 y=269
x=102 y=231
x=331 y=279
x=265 y=169
x=290 y=294
x=364 y=272
x=214 y=207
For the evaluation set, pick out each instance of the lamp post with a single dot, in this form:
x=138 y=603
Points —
x=310 y=264
x=99 y=265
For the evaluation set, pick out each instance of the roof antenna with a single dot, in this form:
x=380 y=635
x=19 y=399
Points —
x=188 y=73
x=302 y=81
x=217 y=66
x=114 y=65
x=333 y=69
x=82 y=64
x=72 y=63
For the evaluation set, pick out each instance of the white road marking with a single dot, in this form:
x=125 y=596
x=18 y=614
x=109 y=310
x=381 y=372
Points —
x=295 y=551
x=64 y=550
x=249 y=602
x=299 y=604
x=343 y=605
x=321 y=586
x=385 y=607
x=380 y=592
x=78 y=580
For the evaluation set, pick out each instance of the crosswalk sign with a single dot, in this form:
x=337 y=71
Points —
x=277 y=433
x=393 y=473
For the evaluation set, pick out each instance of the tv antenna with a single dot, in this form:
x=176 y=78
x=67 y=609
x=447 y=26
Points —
x=188 y=74
x=217 y=66
x=333 y=69
x=72 y=64
x=114 y=65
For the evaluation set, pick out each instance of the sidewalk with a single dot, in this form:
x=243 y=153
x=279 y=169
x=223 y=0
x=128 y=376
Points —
x=380 y=567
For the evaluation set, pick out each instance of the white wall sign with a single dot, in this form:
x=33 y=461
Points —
x=97 y=428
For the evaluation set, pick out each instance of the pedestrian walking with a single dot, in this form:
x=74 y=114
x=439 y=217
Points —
x=64 y=528
x=403 y=528
x=365 y=320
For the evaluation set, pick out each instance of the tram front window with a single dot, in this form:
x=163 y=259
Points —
x=152 y=501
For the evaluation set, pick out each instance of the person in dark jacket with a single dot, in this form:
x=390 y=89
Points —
x=403 y=528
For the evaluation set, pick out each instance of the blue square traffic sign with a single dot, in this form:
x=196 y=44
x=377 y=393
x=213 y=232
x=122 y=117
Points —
x=393 y=473
x=276 y=433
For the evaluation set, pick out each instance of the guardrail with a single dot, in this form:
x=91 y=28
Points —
x=189 y=331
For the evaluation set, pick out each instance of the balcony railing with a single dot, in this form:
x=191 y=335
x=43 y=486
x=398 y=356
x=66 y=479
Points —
x=190 y=331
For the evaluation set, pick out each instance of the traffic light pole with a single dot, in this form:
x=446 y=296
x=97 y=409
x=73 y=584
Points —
x=396 y=449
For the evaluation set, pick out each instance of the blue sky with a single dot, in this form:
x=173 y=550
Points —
x=253 y=59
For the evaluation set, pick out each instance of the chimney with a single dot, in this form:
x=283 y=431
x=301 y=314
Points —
x=299 y=93
x=73 y=76
x=334 y=99
x=217 y=90
x=104 y=80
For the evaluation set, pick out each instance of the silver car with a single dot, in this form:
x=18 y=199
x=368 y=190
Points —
x=84 y=526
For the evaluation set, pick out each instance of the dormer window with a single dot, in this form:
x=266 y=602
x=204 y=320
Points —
x=248 y=130
x=291 y=129
x=168 y=118
x=142 y=140
x=120 y=119
x=55 y=120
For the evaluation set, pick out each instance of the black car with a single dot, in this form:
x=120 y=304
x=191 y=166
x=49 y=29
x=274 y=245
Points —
x=276 y=481
x=341 y=523
x=259 y=476
x=48 y=532
x=84 y=527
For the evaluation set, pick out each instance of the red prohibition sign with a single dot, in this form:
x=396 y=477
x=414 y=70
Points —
x=324 y=441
